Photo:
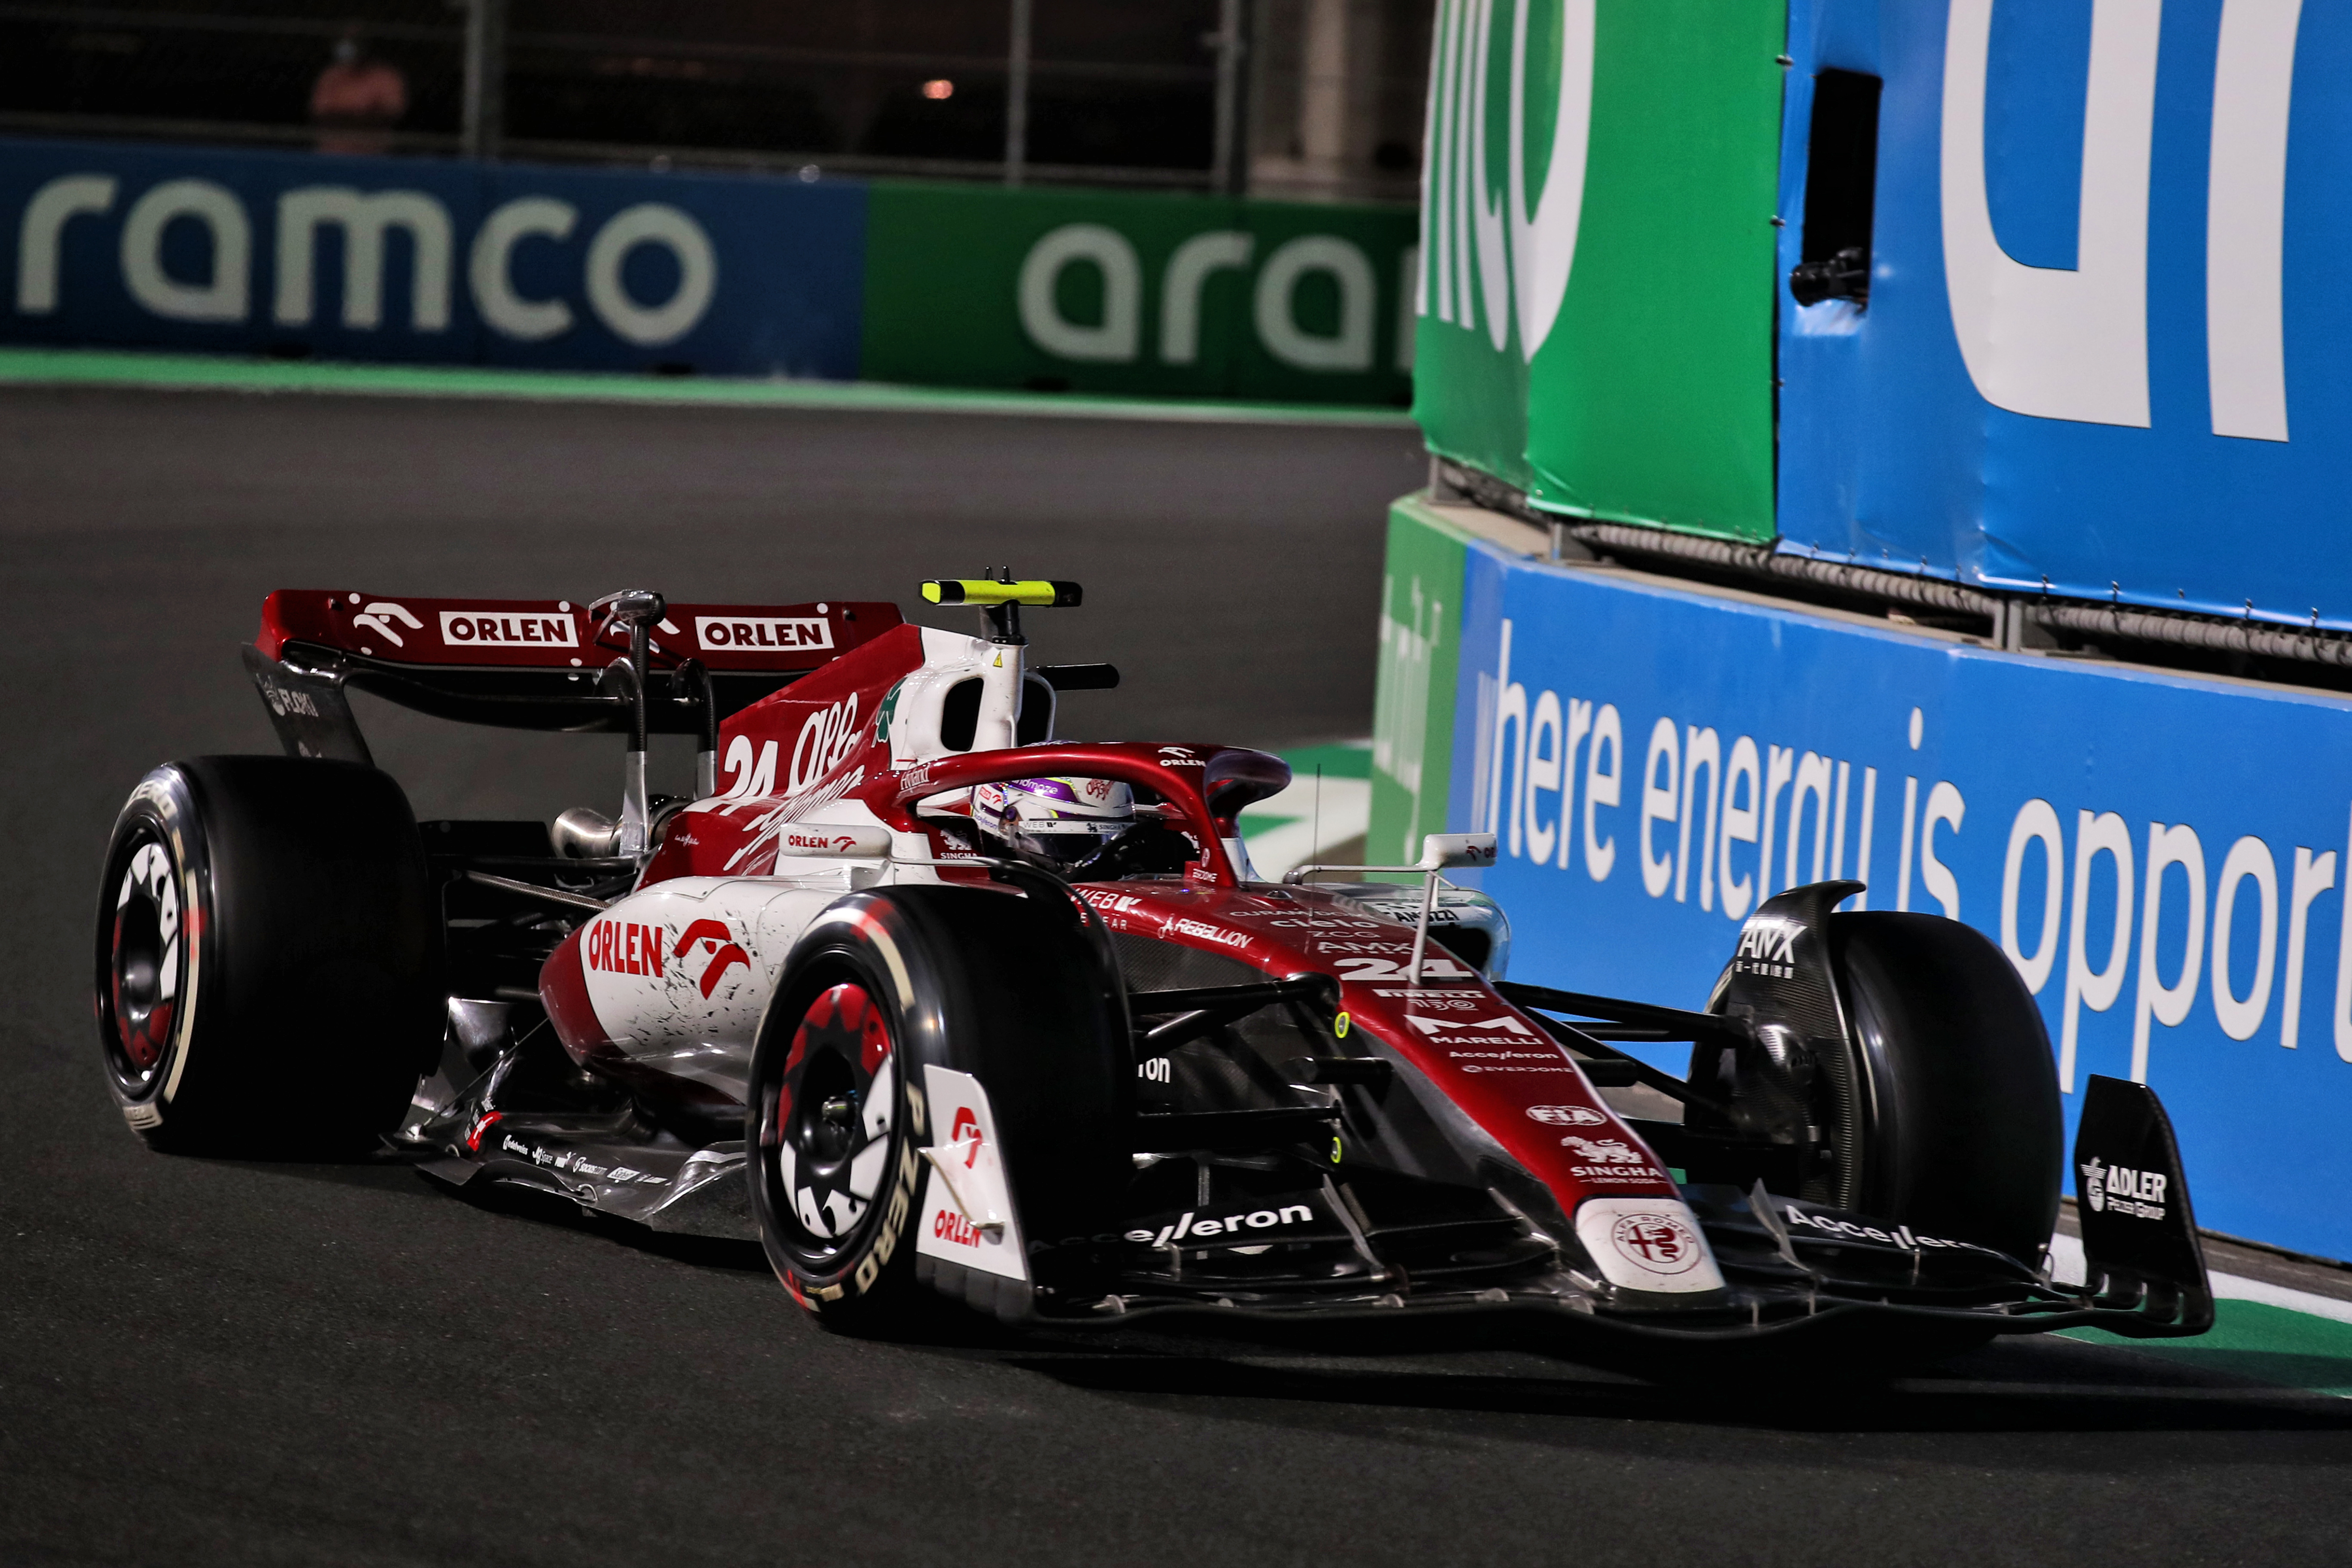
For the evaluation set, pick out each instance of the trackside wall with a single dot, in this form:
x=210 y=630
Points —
x=2163 y=859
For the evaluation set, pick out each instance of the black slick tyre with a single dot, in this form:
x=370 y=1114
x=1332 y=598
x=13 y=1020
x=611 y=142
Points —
x=1963 y=1135
x=1008 y=989
x=268 y=956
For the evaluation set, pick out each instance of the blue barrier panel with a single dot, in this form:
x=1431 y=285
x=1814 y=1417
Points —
x=413 y=259
x=2163 y=857
x=2108 y=307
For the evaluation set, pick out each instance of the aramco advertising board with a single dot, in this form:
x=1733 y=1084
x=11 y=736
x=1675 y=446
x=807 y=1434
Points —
x=444 y=262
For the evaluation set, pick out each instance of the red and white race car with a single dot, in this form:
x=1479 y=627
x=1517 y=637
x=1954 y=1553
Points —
x=944 y=1008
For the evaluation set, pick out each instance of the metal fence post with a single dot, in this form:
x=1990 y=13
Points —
x=1229 y=164
x=485 y=76
x=1016 y=95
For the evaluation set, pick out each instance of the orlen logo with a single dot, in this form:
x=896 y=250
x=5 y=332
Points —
x=818 y=841
x=1567 y=1116
x=963 y=1133
x=378 y=618
x=761 y=634
x=825 y=740
x=623 y=947
x=966 y=1129
x=468 y=628
x=714 y=936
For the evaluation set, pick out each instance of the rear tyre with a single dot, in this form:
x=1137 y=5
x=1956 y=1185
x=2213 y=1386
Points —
x=268 y=956
x=1962 y=1136
x=885 y=983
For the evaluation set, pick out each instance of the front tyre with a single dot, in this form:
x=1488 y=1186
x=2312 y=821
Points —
x=838 y=1126
x=1008 y=989
x=1964 y=1136
x=267 y=956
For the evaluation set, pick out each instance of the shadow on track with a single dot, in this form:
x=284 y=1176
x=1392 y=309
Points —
x=1952 y=1402
x=1508 y=1367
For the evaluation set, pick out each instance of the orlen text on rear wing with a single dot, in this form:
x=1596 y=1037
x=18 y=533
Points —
x=530 y=663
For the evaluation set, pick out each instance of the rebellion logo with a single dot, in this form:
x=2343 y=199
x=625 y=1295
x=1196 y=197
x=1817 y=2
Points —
x=466 y=628
x=1206 y=932
x=761 y=634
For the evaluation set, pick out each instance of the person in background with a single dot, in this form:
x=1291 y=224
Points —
x=357 y=100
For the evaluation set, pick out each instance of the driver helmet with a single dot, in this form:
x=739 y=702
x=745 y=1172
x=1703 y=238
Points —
x=1063 y=820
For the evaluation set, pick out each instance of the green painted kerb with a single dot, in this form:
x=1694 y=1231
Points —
x=2258 y=1342
x=226 y=372
x=1421 y=624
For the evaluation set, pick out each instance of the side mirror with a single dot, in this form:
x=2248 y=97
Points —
x=1442 y=850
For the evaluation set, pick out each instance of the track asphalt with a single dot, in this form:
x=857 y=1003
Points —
x=213 y=1362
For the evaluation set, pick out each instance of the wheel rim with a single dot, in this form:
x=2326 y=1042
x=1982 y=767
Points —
x=147 y=961
x=825 y=1131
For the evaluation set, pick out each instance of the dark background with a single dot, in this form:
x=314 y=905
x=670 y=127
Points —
x=1120 y=85
x=1328 y=100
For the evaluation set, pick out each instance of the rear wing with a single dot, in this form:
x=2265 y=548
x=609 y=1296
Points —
x=531 y=664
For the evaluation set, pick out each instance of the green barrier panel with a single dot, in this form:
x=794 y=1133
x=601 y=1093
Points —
x=1596 y=315
x=1412 y=706
x=1087 y=291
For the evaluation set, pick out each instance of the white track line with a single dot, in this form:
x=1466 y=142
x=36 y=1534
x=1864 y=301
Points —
x=2066 y=1267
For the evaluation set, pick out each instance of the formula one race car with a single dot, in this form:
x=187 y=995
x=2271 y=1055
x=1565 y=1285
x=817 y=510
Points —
x=944 y=1009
